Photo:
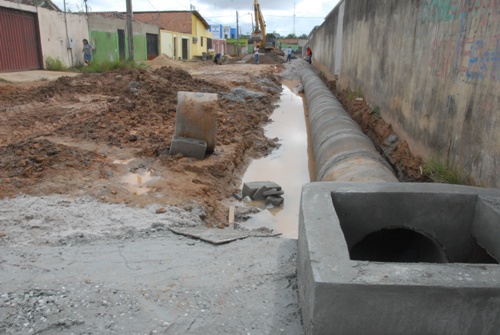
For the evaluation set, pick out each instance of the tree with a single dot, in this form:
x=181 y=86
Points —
x=291 y=36
x=303 y=37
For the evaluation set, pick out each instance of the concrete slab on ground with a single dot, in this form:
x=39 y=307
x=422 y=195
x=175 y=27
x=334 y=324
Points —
x=162 y=284
x=35 y=75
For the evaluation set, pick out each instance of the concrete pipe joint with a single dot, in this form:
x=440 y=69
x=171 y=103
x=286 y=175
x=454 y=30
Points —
x=342 y=152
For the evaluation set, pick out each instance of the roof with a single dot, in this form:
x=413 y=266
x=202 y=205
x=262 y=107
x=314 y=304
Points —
x=198 y=15
x=111 y=15
x=47 y=4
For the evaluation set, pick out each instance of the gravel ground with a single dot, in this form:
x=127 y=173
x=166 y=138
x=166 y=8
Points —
x=123 y=272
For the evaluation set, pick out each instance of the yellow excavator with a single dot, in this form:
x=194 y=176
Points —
x=259 y=36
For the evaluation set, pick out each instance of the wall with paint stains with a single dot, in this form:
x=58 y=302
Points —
x=431 y=66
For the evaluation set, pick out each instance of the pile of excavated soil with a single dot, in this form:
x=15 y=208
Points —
x=395 y=150
x=268 y=58
x=83 y=135
x=164 y=60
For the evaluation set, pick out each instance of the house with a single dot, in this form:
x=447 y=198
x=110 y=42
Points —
x=183 y=35
x=222 y=32
x=32 y=31
x=47 y=4
x=108 y=36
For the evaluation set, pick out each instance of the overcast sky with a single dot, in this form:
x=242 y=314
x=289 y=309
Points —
x=278 y=14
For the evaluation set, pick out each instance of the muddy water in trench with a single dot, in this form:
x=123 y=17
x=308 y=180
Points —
x=290 y=166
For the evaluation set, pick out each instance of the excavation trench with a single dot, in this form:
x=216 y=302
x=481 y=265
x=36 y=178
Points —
x=286 y=166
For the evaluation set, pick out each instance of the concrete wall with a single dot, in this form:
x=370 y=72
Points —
x=202 y=35
x=433 y=69
x=53 y=36
x=216 y=31
x=219 y=46
x=179 y=21
x=104 y=37
x=171 y=44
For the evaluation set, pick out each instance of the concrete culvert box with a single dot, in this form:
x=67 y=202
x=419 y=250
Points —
x=399 y=258
x=195 y=118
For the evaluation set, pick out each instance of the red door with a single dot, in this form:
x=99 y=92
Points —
x=19 y=47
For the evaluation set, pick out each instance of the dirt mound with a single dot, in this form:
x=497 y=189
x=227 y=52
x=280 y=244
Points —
x=268 y=58
x=68 y=135
x=164 y=60
x=408 y=168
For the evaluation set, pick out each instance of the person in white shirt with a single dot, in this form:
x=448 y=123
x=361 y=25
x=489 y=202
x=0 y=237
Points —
x=288 y=54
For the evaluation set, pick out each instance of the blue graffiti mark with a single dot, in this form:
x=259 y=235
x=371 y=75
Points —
x=479 y=60
x=462 y=24
x=495 y=67
x=477 y=64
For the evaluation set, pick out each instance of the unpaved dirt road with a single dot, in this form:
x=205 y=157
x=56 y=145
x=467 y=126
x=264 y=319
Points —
x=103 y=232
x=97 y=219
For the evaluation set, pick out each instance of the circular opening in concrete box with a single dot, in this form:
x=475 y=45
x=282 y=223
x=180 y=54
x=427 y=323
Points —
x=398 y=245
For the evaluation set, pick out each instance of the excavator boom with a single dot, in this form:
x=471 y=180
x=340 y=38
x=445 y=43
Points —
x=259 y=37
x=259 y=33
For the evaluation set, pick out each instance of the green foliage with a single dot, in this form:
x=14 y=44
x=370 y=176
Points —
x=442 y=172
x=243 y=42
x=303 y=37
x=106 y=66
x=43 y=79
x=54 y=64
x=2 y=80
x=376 y=112
x=351 y=95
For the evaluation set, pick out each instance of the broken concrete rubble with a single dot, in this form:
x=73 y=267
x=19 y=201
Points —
x=189 y=147
x=273 y=191
x=195 y=125
x=274 y=200
x=267 y=191
x=251 y=187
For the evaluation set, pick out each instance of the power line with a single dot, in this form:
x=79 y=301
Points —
x=183 y=5
x=152 y=5
x=298 y=17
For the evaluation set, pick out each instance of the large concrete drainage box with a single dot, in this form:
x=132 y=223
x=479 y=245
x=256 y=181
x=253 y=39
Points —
x=399 y=258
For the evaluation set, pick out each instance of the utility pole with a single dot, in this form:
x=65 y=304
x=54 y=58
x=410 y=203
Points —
x=129 y=31
x=69 y=46
x=86 y=7
x=237 y=35
x=294 y=18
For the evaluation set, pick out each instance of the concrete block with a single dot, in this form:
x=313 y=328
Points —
x=273 y=191
x=354 y=280
x=274 y=200
x=195 y=119
x=250 y=188
x=189 y=147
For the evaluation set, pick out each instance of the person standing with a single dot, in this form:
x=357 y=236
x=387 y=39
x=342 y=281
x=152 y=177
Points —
x=256 y=51
x=87 y=52
x=309 y=55
x=288 y=54
x=217 y=59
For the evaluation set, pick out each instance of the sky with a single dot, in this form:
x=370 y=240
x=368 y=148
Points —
x=281 y=16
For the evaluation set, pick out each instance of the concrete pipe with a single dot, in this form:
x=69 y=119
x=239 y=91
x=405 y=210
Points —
x=342 y=152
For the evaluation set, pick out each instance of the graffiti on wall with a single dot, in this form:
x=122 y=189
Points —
x=466 y=38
